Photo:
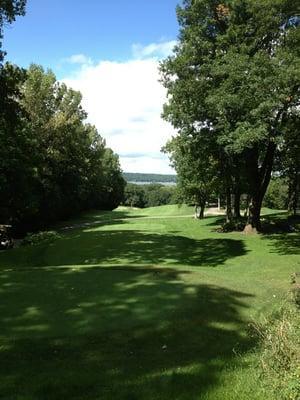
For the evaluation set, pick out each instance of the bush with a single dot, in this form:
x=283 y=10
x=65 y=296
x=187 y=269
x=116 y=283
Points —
x=277 y=194
x=40 y=237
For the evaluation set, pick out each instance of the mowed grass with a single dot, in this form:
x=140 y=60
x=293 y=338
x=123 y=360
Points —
x=139 y=304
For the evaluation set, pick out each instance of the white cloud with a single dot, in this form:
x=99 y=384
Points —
x=153 y=50
x=124 y=100
x=78 y=59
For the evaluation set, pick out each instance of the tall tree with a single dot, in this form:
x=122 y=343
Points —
x=290 y=153
x=73 y=168
x=15 y=163
x=17 y=148
x=236 y=70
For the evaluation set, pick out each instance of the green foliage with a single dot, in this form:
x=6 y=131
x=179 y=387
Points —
x=290 y=165
x=152 y=195
x=134 y=196
x=40 y=237
x=54 y=164
x=17 y=146
x=158 y=195
x=233 y=83
x=277 y=194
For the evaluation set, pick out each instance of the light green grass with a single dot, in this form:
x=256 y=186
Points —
x=134 y=307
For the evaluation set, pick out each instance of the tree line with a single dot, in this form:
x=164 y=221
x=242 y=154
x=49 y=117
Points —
x=149 y=195
x=53 y=164
x=233 y=87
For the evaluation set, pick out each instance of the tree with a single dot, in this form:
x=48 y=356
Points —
x=236 y=71
x=72 y=168
x=290 y=161
x=17 y=148
x=197 y=174
x=134 y=196
x=158 y=195
x=277 y=194
x=15 y=163
x=9 y=9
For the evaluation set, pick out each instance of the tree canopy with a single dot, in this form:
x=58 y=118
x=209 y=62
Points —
x=234 y=79
x=53 y=164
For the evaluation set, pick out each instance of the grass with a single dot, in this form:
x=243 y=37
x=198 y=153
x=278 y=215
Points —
x=131 y=306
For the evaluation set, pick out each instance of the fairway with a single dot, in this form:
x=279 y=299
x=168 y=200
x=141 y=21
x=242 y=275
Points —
x=134 y=305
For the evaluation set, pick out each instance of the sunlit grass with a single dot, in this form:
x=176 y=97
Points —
x=131 y=306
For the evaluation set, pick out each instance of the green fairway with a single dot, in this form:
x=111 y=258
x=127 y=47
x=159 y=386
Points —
x=139 y=304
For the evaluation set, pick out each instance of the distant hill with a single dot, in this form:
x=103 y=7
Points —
x=148 y=178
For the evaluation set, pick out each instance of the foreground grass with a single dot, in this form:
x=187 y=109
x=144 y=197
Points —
x=138 y=307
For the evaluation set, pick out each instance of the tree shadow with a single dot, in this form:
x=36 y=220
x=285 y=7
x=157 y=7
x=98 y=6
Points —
x=284 y=243
x=116 y=335
x=90 y=247
x=215 y=221
x=97 y=219
x=283 y=233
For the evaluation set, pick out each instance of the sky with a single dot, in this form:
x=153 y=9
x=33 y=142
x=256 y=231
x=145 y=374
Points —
x=110 y=51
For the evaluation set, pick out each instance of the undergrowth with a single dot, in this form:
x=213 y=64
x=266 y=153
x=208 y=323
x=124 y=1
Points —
x=279 y=338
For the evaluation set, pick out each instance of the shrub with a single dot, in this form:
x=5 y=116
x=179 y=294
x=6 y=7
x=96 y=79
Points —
x=40 y=237
x=277 y=194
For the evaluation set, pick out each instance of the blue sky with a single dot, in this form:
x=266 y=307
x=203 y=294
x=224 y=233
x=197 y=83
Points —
x=103 y=29
x=109 y=50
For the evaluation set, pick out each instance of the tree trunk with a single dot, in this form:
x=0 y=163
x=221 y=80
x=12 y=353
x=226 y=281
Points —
x=247 y=202
x=202 y=208
x=237 y=192
x=237 y=203
x=199 y=211
x=259 y=180
x=253 y=222
x=219 y=203
x=228 y=205
x=293 y=194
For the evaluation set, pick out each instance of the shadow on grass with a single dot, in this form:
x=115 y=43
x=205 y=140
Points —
x=102 y=334
x=285 y=243
x=215 y=221
x=282 y=233
x=129 y=247
x=99 y=219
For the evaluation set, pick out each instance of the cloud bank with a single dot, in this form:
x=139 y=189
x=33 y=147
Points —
x=124 y=100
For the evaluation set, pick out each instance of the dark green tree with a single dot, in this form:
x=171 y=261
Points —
x=277 y=193
x=72 y=168
x=290 y=157
x=236 y=72
x=17 y=162
x=135 y=196
x=197 y=169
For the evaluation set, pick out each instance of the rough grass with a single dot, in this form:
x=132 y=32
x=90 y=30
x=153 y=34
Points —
x=138 y=307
